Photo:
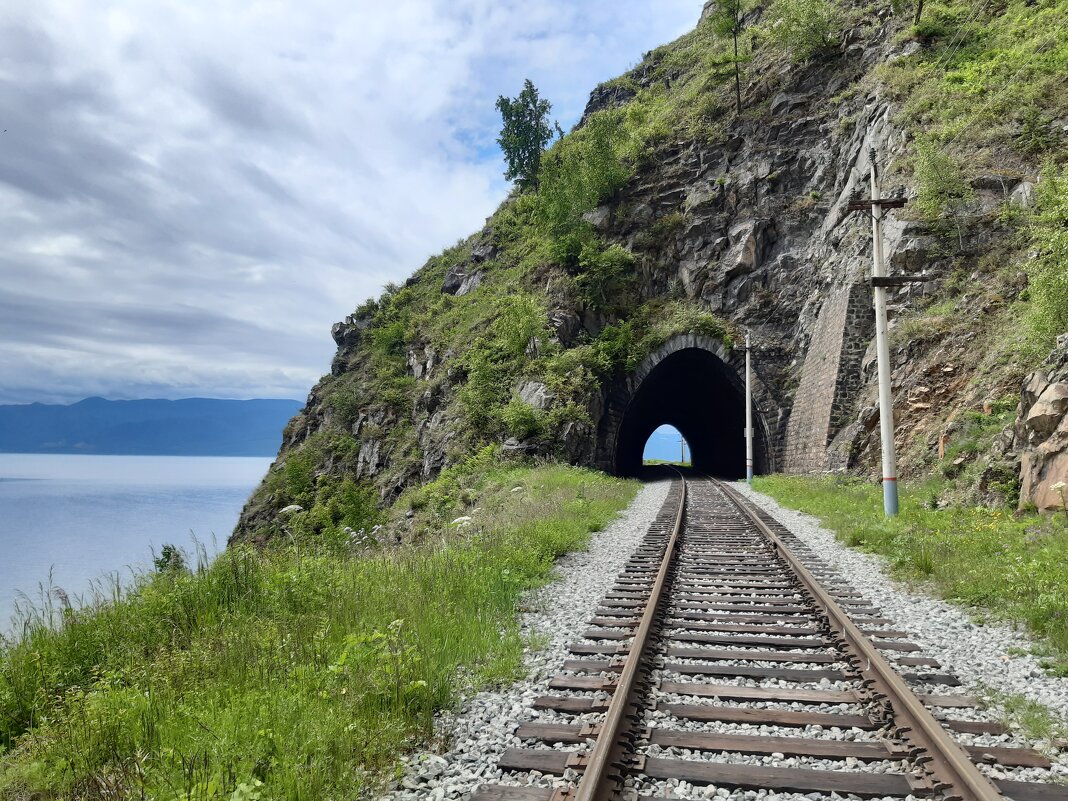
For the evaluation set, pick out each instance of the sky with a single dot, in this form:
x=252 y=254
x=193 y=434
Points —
x=194 y=191
x=664 y=444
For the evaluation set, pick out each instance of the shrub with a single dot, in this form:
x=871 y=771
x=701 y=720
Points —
x=940 y=182
x=577 y=173
x=1048 y=273
x=485 y=390
x=607 y=280
x=521 y=318
x=802 y=28
x=170 y=559
x=522 y=420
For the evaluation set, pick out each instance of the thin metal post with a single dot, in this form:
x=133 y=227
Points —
x=748 y=413
x=882 y=347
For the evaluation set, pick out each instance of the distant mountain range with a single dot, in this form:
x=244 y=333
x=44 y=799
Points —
x=188 y=427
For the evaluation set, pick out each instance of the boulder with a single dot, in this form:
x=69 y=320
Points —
x=1043 y=469
x=1023 y=195
x=1048 y=411
x=536 y=394
x=470 y=283
x=1042 y=432
x=599 y=217
x=465 y=276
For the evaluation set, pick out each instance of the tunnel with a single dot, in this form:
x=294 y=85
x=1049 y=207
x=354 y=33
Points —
x=693 y=390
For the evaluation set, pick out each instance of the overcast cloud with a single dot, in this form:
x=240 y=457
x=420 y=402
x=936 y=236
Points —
x=193 y=192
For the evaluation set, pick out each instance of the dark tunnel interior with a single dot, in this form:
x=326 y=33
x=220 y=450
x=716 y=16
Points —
x=697 y=393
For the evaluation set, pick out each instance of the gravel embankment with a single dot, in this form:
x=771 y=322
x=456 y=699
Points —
x=476 y=736
x=991 y=655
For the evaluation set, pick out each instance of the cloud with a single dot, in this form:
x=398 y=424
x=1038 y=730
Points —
x=194 y=191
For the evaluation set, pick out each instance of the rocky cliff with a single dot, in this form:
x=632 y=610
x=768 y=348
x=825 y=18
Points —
x=669 y=221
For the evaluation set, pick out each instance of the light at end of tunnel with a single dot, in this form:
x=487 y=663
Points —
x=666 y=444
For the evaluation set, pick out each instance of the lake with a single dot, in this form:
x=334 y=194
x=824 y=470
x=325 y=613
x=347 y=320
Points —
x=83 y=517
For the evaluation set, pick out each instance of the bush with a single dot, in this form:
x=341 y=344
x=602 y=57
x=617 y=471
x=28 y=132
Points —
x=802 y=28
x=577 y=174
x=520 y=319
x=607 y=280
x=1048 y=273
x=522 y=420
x=940 y=182
x=486 y=388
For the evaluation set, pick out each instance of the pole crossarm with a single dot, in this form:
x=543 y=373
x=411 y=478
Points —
x=899 y=280
x=866 y=204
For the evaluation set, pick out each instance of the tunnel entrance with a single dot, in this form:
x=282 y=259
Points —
x=690 y=385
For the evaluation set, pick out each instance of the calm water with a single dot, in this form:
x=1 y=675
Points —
x=82 y=517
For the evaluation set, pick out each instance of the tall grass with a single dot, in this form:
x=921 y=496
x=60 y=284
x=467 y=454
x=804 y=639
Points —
x=289 y=673
x=1013 y=565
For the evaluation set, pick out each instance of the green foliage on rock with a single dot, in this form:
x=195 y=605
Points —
x=802 y=28
x=986 y=80
x=606 y=277
x=1048 y=271
x=940 y=181
x=578 y=173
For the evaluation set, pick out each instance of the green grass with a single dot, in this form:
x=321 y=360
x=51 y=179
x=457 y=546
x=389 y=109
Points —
x=1035 y=720
x=292 y=673
x=1014 y=566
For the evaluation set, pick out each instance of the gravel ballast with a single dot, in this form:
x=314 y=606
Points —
x=476 y=736
x=472 y=739
x=991 y=655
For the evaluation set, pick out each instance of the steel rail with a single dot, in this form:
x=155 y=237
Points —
x=953 y=770
x=592 y=785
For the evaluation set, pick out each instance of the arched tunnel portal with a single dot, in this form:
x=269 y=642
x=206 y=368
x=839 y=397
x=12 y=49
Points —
x=693 y=384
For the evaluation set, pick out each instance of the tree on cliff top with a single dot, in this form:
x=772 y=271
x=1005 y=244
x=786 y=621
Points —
x=726 y=20
x=524 y=135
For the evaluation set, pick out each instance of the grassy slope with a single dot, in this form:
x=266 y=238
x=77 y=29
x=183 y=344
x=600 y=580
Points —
x=291 y=673
x=1016 y=567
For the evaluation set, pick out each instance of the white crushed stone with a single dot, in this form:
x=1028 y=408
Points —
x=475 y=737
x=991 y=655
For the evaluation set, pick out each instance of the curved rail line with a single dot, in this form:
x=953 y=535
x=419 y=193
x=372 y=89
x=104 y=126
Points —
x=744 y=581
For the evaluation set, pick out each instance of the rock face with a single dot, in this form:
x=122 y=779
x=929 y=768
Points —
x=1041 y=433
x=750 y=224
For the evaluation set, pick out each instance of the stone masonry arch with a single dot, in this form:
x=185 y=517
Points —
x=695 y=383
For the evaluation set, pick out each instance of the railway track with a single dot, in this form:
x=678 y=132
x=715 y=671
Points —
x=727 y=657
